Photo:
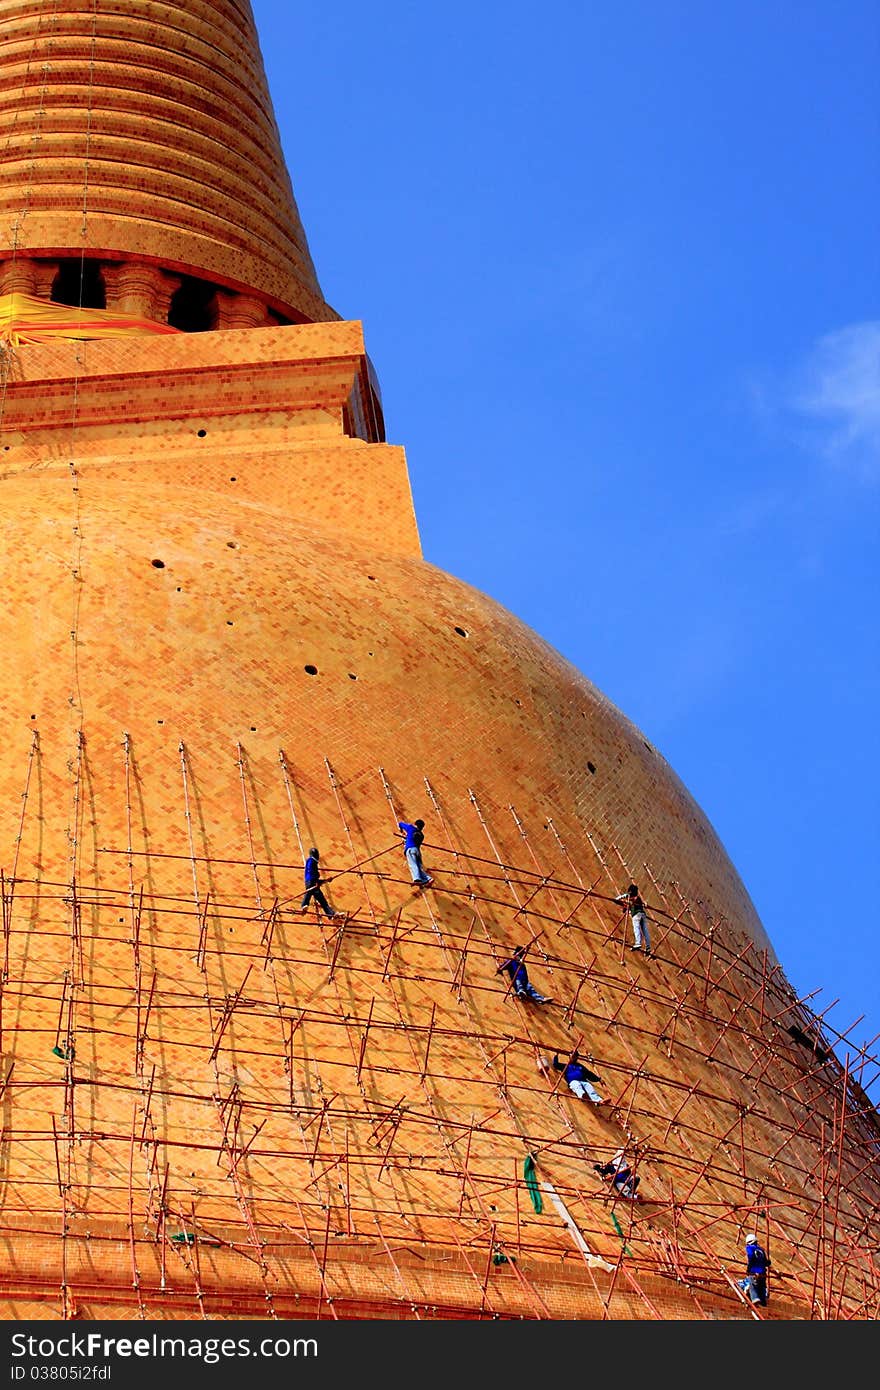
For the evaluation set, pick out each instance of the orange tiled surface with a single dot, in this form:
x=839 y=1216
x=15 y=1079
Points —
x=247 y=416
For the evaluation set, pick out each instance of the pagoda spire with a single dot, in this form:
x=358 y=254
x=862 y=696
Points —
x=142 y=139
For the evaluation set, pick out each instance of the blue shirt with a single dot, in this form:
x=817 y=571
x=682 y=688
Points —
x=576 y=1071
x=414 y=836
x=757 y=1259
x=311 y=872
x=517 y=971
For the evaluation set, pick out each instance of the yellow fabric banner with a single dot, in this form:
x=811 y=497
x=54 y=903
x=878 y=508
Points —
x=25 y=319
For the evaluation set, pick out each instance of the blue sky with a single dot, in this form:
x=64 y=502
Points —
x=618 y=269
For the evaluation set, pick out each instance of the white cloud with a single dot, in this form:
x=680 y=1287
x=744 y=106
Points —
x=839 y=389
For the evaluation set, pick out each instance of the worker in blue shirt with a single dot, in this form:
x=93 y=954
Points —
x=620 y=1173
x=412 y=848
x=312 y=879
x=754 y=1286
x=516 y=968
x=580 y=1079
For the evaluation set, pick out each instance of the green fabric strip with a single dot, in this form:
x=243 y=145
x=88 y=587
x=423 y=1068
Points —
x=532 y=1184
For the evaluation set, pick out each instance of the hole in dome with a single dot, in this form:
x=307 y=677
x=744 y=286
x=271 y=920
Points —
x=591 y=767
x=158 y=564
x=193 y=307
x=369 y=576
x=311 y=670
x=253 y=728
x=33 y=716
x=160 y=721
x=79 y=283
x=179 y=590
x=462 y=632
x=229 y=622
x=352 y=676
x=201 y=433
x=233 y=479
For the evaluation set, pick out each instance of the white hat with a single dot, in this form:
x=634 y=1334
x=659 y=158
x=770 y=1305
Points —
x=751 y=1240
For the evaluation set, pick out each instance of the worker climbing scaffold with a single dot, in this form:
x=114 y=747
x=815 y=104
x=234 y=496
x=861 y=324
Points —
x=312 y=881
x=620 y=1174
x=638 y=916
x=515 y=967
x=412 y=849
x=579 y=1078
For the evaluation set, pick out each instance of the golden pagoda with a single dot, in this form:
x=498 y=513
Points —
x=223 y=647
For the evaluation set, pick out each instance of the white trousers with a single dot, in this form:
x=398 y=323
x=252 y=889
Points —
x=416 y=868
x=640 y=929
x=584 y=1090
